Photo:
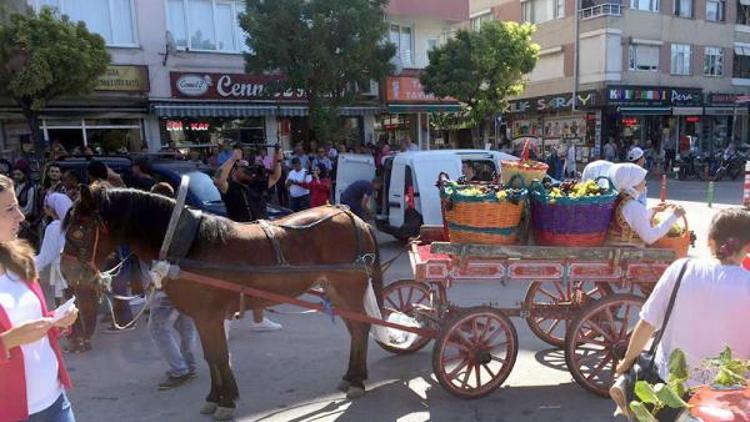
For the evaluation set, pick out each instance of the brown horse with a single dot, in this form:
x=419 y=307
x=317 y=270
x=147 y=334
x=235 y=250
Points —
x=104 y=218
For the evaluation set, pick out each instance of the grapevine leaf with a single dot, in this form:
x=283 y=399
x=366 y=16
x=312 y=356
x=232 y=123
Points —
x=641 y=412
x=677 y=365
x=645 y=392
x=667 y=396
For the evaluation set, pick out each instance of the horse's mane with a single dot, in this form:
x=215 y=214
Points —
x=132 y=213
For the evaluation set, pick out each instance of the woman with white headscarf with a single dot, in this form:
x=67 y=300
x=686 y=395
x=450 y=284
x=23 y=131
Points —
x=56 y=206
x=632 y=221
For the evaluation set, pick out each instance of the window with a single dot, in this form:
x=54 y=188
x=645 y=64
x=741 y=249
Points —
x=715 y=10
x=207 y=25
x=714 y=62
x=645 y=5
x=401 y=36
x=683 y=8
x=680 y=59
x=643 y=57
x=743 y=12
x=112 y=19
x=432 y=44
x=540 y=11
x=476 y=23
x=741 y=62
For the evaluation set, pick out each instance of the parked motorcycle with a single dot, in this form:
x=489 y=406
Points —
x=687 y=166
x=732 y=167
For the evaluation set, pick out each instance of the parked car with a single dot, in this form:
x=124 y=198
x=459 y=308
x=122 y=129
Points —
x=202 y=194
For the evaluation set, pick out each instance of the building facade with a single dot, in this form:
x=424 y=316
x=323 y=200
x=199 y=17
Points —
x=650 y=72
x=177 y=75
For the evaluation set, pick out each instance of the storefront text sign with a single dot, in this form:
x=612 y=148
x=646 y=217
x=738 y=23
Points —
x=723 y=99
x=553 y=103
x=124 y=79
x=228 y=86
x=654 y=96
x=409 y=89
x=179 y=125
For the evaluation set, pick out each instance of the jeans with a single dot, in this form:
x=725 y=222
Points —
x=129 y=277
x=60 y=411
x=178 y=354
x=299 y=203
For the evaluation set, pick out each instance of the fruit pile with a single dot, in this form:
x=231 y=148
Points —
x=474 y=192
x=677 y=230
x=531 y=164
x=572 y=189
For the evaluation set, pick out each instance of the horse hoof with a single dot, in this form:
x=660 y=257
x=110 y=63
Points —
x=209 y=408
x=355 y=392
x=224 y=413
x=343 y=386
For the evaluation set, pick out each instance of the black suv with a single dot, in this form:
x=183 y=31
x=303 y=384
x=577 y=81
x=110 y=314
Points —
x=202 y=194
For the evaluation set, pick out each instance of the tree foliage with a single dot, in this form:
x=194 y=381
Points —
x=482 y=69
x=323 y=48
x=43 y=57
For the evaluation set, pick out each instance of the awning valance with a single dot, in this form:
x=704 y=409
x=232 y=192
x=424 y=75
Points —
x=645 y=111
x=424 y=108
x=208 y=109
x=687 y=111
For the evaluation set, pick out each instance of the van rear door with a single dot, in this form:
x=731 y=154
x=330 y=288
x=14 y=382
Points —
x=353 y=167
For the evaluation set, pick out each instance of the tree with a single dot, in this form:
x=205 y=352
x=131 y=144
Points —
x=10 y=7
x=322 y=48
x=43 y=57
x=482 y=69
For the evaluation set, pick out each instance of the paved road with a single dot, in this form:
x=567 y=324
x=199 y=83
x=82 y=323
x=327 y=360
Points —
x=291 y=375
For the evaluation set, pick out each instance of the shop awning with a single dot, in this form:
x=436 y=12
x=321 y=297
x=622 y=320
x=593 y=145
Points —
x=645 y=111
x=248 y=110
x=687 y=111
x=424 y=108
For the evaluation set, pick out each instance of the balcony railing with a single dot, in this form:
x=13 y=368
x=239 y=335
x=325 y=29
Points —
x=605 y=9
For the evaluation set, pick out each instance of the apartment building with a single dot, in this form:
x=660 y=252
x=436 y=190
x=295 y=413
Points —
x=639 y=71
x=177 y=75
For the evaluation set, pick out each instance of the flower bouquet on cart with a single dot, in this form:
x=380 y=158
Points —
x=572 y=214
x=529 y=170
x=487 y=213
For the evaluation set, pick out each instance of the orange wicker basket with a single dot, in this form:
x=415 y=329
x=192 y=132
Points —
x=527 y=169
x=679 y=244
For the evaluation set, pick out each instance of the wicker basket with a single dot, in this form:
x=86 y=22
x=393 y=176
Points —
x=566 y=221
x=481 y=219
x=527 y=169
x=679 y=244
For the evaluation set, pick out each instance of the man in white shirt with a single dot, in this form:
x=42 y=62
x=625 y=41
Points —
x=299 y=197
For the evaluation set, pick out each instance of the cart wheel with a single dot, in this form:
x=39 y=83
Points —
x=554 y=304
x=475 y=352
x=402 y=296
x=598 y=339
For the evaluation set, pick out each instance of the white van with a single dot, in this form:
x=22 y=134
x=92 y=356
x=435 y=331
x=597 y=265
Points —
x=416 y=172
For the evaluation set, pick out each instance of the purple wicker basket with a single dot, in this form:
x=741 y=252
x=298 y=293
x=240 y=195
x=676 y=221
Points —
x=571 y=224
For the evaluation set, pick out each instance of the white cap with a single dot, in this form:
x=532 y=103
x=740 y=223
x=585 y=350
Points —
x=635 y=154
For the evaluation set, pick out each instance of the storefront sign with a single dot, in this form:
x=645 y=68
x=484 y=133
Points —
x=654 y=96
x=629 y=121
x=179 y=125
x=228 y=86
x=409 y=89
x=693 y=119
x=553 y=103
x=722 y=99
x=124 y=79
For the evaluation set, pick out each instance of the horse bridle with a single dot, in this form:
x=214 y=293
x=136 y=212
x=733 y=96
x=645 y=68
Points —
x=89 y=263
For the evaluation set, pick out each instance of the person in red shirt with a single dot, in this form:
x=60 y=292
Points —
x=33 y=378
x=320 y=186
x=746 y=263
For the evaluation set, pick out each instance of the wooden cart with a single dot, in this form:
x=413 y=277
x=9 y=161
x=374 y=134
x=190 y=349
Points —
x=585 y=300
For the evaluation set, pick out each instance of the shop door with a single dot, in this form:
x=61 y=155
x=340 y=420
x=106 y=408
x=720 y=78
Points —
x=70 y=138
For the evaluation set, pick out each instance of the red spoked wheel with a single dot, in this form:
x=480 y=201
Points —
x=475 y=352
x=552 y=305
x=598 y=339
x=404 y=296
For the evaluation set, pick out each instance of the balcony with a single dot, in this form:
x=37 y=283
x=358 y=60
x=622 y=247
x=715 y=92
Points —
x=447 y=10
x=604 y=9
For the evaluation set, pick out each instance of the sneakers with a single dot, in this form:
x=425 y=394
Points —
x=265 y=325
x=171 y=382
x=114 y=330
x=619 y=396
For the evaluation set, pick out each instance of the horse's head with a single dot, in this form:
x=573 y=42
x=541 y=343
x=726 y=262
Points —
x=87 y=239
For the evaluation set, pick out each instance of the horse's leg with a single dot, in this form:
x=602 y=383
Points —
x=223 y=387
x=348 y=294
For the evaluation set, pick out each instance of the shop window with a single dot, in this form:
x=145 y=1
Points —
x=645 y=5
x=683 y=8
x=743 y=12
x=206 y=132
x=402 y=37
x=715 y=10
x=643 y=57
x=714 y=61
x=207 y=25
x=681 y=54
x=112 y=19
x=741 y=67
x=540 y=11
x=476 y=23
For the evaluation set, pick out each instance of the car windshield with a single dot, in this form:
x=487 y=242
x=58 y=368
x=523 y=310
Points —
x=203 y=187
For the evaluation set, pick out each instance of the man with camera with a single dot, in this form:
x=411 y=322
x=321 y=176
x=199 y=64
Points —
x=244 y=188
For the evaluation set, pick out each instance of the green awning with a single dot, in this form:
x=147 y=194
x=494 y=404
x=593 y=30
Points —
x=424 y=108
x=645 y=111
x=211 y=109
